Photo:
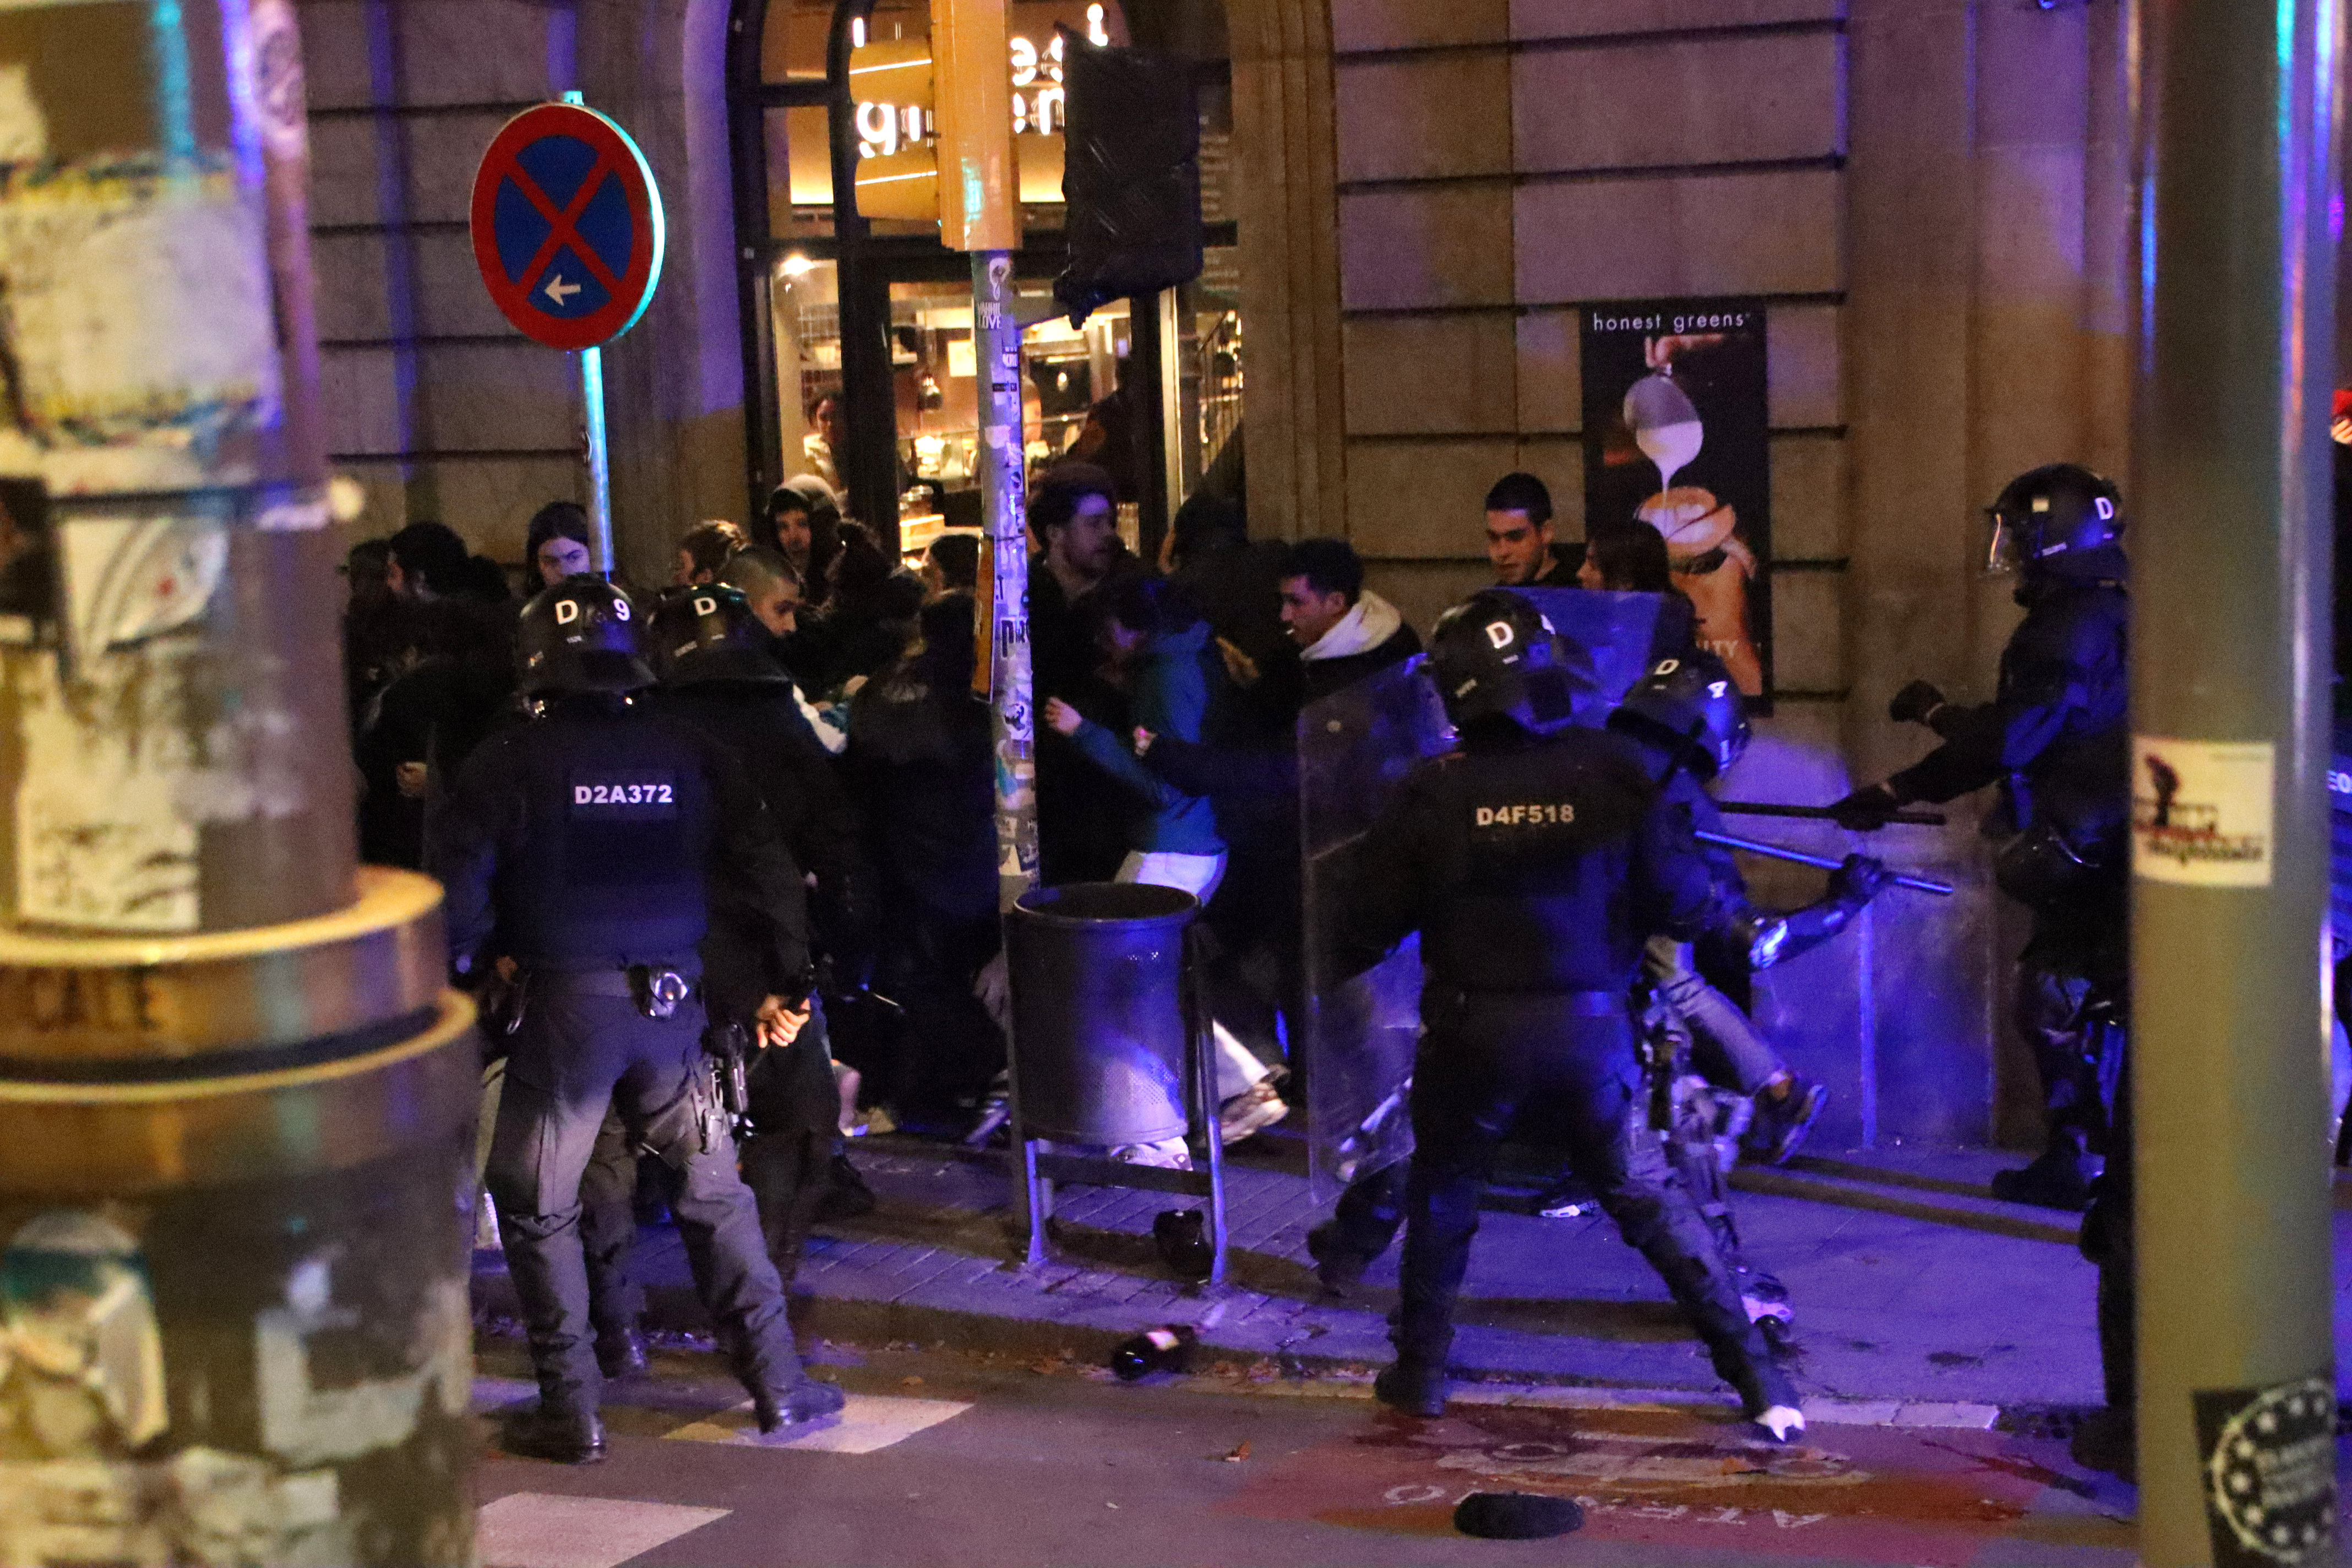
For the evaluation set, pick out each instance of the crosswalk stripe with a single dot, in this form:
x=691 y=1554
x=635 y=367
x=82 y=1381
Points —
x=534 y=1530
x=869 y=1423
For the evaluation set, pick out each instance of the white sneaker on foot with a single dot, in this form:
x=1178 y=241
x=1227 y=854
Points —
x=1252 y=1112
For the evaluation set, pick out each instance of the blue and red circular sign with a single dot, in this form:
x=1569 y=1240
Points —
x=567 y=226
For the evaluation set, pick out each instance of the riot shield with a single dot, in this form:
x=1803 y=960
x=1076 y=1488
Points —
x=1355 y=747
x=1616 y=631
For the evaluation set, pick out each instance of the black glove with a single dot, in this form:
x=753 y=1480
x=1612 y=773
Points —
x=1859 y=881
x=1915 y=704
x=1867 y=809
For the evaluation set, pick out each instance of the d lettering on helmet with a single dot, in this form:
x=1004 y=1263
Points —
x=1667 y=666
x=705 y=606
x=2105 y=508
x=566 y=611
x=1500 y=634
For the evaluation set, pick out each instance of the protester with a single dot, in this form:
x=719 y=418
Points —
x=1081 y=829
x=428 y=559
x=1519 y=536
x=704 y=550
x=555 y=547
x=951 y=564
x=1633 y=561
x=1159 y=647
x=1344 y=631
x=922 y=764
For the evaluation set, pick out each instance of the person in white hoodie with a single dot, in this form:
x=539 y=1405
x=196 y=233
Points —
x=1344 y=630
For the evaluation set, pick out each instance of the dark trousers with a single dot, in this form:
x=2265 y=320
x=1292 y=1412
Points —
x=608 y=1230
x=795 y=1115
x=2071 y=964
x=1487 y=1058
x=574 y=1059
x=2107 y=1242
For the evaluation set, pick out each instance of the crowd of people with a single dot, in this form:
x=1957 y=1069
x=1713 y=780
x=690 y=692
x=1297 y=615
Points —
x=793 y=725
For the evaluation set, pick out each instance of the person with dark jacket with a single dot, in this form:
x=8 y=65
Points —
x=1519 y=537
x=1535 y=863
x=922 y=760
x=455 y=685
x=623 y=865
x=1081 y=826
x=1165 y=657
x=2056 y=739
x=1238 y=585
x=718 y=678
x=1633 y=560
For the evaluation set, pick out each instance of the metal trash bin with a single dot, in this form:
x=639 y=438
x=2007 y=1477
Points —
x=1100 y=1027
x=1111 y=1046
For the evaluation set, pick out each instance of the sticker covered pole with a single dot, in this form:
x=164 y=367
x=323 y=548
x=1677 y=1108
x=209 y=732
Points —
x=2230 y=539
x=236 y=1096
x=979 y=213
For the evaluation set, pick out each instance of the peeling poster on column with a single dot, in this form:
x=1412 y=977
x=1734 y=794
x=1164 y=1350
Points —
x=2202 y=811
x=1675 y=440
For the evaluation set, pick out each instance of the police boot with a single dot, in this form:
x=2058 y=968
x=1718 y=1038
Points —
x=2054 y=1181
x=1413 y=1385
x=621 y=1351
x=794 y=1404
x=565 y=1437
x=2108 y=1440
x=1769 y=1398
x=1339 y=1267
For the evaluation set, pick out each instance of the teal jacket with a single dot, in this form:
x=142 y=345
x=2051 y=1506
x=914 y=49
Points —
x=1174 y=685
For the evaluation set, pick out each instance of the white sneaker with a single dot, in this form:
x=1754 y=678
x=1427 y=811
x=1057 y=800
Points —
x=1166 y=1154
x=1783 y=1421
x=1251 y=1112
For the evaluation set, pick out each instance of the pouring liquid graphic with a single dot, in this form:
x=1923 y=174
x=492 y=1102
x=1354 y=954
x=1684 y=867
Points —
x=1665 y=426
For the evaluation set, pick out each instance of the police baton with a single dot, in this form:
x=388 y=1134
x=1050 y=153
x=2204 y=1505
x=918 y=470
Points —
x=1822 y=813
x=1941 y=889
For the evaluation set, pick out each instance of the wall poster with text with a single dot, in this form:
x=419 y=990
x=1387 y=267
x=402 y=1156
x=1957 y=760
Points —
x=1675 y=426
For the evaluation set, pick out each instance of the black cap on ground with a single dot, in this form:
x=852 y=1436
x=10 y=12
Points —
x=1516 y=1516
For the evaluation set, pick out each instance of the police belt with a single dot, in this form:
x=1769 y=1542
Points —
x=597 y=981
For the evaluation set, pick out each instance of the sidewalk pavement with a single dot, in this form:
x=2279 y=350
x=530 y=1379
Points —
x=1918 y=1299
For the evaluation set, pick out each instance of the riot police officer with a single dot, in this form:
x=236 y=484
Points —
x=1534 y=862
x=606 y=853
x=2054 y=738
x=718 y=676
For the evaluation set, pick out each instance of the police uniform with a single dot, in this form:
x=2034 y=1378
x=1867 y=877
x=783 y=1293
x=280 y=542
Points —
x=602 y=848
x=1534 y=869
x=2056 y=739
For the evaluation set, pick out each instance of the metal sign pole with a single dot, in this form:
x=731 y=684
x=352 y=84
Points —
x=600 y=457
x=2236 y=1387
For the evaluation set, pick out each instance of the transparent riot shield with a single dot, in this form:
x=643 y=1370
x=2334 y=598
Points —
x=1616 y=632
x=1355 y=748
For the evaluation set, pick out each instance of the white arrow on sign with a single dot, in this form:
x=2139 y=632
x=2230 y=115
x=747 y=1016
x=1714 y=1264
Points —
x=560 y=292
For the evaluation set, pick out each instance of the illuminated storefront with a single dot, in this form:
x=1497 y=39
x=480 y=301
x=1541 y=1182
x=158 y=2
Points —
x=857 y=341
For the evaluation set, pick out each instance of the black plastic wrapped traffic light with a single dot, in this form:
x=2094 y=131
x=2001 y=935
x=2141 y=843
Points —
x=1130 y=175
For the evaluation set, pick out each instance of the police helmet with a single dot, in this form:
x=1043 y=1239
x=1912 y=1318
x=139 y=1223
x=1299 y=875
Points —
x=581 y=635
x=1494 y=656
x=708 y=633
x=1691 y=703
x=2058 y=521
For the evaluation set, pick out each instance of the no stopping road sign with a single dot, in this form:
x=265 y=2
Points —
x=567 y=226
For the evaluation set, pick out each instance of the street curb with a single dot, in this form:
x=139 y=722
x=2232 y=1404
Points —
x=1937 y=1204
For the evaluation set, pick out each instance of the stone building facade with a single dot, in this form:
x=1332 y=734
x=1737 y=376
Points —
x=1932 y=197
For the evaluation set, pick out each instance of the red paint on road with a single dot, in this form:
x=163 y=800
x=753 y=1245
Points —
x=1696 y=1481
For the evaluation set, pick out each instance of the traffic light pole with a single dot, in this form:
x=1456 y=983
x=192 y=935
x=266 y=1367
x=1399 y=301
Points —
x=235 y=1100
x=2229 y=649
